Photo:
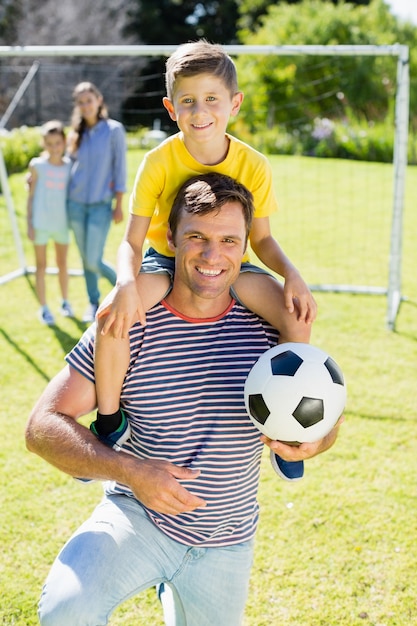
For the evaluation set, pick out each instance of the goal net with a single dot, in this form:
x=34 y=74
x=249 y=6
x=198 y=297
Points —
x=340 y=219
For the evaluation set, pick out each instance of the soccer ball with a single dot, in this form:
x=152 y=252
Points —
x=295 y=393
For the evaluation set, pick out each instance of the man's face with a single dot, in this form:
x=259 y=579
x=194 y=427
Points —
x=208 y=250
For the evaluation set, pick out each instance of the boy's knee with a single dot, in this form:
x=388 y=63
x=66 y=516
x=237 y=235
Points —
x=294 y=330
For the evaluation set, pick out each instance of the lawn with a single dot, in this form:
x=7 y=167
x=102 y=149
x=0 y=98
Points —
x=336 y=549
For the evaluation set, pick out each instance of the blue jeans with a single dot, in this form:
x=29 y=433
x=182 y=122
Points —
x=119 y=552
x=90 y=224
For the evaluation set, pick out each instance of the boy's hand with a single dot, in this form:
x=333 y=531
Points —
x=121 y=308
x=298 y=296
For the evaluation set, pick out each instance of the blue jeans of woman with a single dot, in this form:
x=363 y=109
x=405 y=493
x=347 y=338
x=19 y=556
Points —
x=90 y=224
x=119 y=552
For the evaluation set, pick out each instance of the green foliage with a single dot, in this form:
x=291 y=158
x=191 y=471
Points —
x=349 y=138
x=10 y=13
x=19 y=146
x=175 y=21
x=345 y=139
x=313 y=22
x=355 y=92
x=251 y=12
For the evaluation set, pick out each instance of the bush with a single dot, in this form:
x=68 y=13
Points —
x=19 y=146
x=347 y=139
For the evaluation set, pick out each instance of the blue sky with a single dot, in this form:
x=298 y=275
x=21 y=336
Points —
x=404 y=9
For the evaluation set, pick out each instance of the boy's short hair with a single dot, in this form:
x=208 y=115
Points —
x=200 y=57
x=53 y=127
x=207 y=193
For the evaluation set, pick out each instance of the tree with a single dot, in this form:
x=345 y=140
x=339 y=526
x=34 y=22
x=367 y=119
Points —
x=362 y=85
x=10 y=13
x=178 y=21
x=252 y=11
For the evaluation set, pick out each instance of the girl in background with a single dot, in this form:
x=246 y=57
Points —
x=97 y=149
x=46 y=213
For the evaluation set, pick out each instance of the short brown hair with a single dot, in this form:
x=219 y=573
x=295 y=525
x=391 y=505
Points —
x=206 y=193
x=53 y=127
x=200 y=57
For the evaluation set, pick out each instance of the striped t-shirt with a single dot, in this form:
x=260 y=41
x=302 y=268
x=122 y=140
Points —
x=183 y=395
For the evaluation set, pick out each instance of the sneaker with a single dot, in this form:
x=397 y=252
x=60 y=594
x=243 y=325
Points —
x=118 y=437
x=90 y=313
x=46 y=317
x=66 y=309
x=166 y=598
x=288 y=470
x=114 y=440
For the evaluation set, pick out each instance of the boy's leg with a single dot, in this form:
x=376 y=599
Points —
x=264 y=295
x=153 y=288
x=111 y=360
x=114 y=555
x=40 y=257
x=112 y=356
x=45 y=315
x=61 y=251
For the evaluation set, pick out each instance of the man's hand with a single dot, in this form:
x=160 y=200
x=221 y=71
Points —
x=157 y=485
x=305 y=450
x=53 y=433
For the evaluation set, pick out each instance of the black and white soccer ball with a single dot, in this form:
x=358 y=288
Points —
x=295 y=393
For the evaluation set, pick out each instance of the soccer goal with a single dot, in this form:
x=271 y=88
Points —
x=351 y=218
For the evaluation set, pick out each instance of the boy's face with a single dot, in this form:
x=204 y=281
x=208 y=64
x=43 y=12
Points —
x=202 y=106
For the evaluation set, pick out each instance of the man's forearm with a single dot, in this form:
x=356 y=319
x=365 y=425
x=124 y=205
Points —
x=71 y=447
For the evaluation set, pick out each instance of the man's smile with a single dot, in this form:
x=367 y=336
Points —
x=207 y=272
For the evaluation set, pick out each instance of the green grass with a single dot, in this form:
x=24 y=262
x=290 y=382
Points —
x=336 y=549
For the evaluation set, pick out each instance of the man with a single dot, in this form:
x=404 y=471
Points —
x=181 y=507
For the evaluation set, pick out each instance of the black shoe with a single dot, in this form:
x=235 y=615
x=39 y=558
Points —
x=118 y=437
x=113 y=440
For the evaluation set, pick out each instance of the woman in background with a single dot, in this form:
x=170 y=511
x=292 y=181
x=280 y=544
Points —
x=97 y=149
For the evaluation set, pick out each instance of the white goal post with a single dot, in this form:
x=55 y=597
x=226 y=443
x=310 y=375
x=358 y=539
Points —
x=400 y=52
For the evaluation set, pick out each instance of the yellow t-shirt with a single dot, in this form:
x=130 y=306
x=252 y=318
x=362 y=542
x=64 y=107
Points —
x=165 y=168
